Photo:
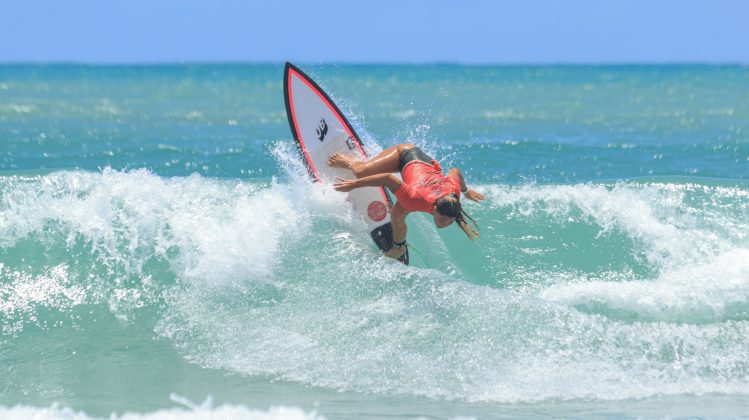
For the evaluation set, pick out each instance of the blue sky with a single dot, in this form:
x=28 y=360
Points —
x=408 y=31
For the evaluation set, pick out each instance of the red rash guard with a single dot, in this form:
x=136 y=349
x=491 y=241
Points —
x=423 y=184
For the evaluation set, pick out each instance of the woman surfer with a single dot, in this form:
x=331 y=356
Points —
x=423 y=188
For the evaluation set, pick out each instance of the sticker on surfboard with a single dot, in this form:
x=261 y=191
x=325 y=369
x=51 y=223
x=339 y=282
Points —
x=320 y=129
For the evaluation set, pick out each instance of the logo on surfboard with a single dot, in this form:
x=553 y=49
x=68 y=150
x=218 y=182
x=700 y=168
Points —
x=322 y=130
x=350 y=143
x=377 y=210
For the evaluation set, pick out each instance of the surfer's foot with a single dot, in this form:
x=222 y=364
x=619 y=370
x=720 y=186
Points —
x=339 y=160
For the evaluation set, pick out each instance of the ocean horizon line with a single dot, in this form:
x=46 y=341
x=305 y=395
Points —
x=436 y=63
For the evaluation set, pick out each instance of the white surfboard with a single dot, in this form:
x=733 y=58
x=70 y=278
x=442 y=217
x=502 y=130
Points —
x=320 y=130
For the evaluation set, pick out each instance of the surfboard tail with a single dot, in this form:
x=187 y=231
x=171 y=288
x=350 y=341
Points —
x=383 y=238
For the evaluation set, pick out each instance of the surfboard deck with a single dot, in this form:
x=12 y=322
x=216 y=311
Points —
x=320 y=129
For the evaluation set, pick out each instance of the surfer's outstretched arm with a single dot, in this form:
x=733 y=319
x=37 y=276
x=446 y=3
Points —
x=470 y=194
x=379 y=180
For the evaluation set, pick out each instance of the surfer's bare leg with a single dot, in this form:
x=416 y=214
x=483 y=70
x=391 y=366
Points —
x=384 y=163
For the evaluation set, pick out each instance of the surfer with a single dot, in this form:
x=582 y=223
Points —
x=424 y=188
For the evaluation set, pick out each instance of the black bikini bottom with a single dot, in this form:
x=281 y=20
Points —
x=411 y=154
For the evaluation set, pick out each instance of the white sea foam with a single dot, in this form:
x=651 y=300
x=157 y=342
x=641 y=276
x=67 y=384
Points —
x=404 y=114
x=205 y=410
x=22 y=294
x=16 y=108
x=212 y=232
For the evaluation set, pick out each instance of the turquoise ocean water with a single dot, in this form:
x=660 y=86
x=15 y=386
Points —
x=162 y=252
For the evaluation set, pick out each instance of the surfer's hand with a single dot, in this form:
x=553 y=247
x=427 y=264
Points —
x=344 y=185
x=474 y=195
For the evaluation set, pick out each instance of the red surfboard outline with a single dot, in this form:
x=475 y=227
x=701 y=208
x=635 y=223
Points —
x=290 y=71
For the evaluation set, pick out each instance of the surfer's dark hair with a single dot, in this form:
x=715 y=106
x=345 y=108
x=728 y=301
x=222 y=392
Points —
x=450 y=206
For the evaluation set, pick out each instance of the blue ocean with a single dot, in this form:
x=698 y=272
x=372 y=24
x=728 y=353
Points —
x=163 y=252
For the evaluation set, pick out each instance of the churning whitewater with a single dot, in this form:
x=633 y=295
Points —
x=230 y=273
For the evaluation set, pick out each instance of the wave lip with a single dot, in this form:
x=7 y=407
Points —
x=711 y=292
x=675 y=224
x=692 y=238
